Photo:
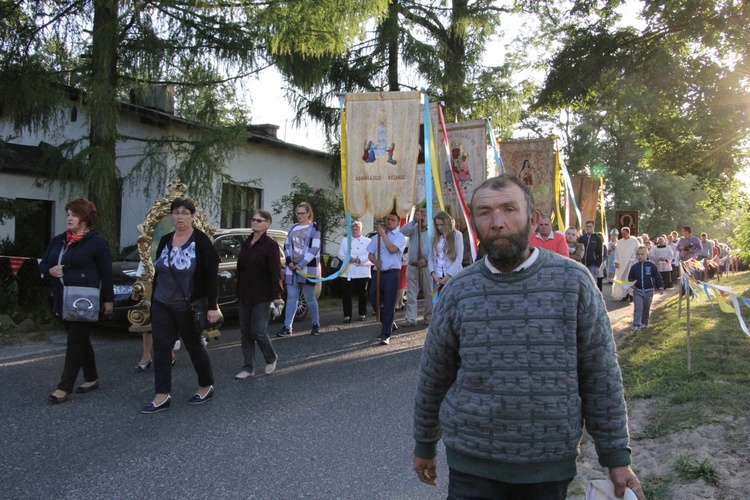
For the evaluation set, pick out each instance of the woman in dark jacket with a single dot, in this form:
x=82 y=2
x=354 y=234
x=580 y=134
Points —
x=186 y=269
x=258 y=284
x=78 y=257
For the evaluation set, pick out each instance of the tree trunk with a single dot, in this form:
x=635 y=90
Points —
x=101 y=178
x=392 y=32
x=457 y=95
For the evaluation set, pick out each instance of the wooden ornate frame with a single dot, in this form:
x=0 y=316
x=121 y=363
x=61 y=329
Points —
x=140 y=315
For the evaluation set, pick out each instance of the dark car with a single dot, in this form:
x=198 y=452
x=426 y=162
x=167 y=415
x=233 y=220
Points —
x=227 y=243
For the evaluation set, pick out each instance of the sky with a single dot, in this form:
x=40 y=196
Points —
x=270 y=106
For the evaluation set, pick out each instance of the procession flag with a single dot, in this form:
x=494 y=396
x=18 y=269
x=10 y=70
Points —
x=382 y=131
x=533 y=161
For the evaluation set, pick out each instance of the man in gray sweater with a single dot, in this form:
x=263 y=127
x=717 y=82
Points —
x=519 y=355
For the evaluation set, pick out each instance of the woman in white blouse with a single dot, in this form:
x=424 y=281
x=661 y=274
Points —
x=446 y=251
x=357 y=275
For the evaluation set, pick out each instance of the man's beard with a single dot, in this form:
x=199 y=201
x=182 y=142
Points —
x=506 y=249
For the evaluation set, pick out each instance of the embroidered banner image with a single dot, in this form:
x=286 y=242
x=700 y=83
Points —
x=467 y=147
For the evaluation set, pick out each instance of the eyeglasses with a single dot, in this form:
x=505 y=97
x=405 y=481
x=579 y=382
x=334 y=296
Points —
x=258 y=220
x=177 y=213
x=301 y=213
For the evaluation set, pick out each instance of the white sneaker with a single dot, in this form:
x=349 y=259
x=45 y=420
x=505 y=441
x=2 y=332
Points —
x=244 y=374
x=270 y=367
x=636 y=328
x=643 y=327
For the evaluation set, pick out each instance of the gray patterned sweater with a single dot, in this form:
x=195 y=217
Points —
x=513 y=366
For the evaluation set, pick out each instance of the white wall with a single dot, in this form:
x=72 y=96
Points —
x=273 y=167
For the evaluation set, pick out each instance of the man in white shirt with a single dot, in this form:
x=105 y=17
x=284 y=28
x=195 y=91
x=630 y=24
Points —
x=385 y=252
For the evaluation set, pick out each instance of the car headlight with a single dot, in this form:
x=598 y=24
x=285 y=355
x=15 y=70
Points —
x=124 y=289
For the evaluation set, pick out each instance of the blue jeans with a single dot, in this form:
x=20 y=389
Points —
x=167 y=325
x=641 y=306
x=292 y=295
x=462 y=486
x=388 y=292
x=254 y=329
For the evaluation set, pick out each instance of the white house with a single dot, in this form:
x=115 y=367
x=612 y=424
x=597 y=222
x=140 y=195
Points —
x=264 y=157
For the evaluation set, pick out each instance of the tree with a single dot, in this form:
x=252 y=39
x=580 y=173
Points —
x=417 y=44
x=327 y=205
x=106 y=48
x=680 y=82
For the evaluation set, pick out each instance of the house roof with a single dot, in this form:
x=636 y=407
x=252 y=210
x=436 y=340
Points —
x=260 y=133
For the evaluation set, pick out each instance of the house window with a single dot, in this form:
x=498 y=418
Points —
x=238 y=204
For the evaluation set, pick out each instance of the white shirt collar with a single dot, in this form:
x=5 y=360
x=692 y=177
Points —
x=528 y=262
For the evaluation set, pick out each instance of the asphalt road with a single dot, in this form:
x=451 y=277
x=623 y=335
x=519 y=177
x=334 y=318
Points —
x=333 y=421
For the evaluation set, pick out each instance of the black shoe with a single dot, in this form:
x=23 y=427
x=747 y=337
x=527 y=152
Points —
x=54 y=399
x=152 y=408
x=385 y=341
x=284 y=332
x=196 y=399
x=315 y=329
x=394 y=327
x=624 y=299
x=143 y=367
x=81 y=389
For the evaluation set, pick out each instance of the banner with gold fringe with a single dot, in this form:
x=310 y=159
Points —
x=382 y=144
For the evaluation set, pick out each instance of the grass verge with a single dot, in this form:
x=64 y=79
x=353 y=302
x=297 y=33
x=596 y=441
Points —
x=654 y=362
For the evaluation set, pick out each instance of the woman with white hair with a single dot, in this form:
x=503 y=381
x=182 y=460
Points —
x=357 y=275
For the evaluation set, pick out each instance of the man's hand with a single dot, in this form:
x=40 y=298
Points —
x=622 y=477
x=426 y=469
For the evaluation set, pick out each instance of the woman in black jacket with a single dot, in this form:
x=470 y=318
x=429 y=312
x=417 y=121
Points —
x=259 y=284
x=186 y=269
x=78 y=257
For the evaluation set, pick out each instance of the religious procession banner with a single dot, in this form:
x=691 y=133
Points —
x=467 y=150
x=382 y=141
x=587 y=195
x=533 y=161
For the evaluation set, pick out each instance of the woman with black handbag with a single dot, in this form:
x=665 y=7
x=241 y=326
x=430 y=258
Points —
x=78 y=259
x=186 y=273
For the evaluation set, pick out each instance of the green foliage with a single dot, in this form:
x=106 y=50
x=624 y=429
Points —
x=689 y=467
x=327 y=205
x=10 y=208
x=675 y=88
x=740 y=242
x=442 y=46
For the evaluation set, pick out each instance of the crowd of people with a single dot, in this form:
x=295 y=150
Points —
x=496 y=339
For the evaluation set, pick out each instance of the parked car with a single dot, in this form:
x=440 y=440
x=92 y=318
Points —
x=227 y=243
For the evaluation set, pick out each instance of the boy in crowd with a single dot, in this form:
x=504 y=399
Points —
x=647 y=277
